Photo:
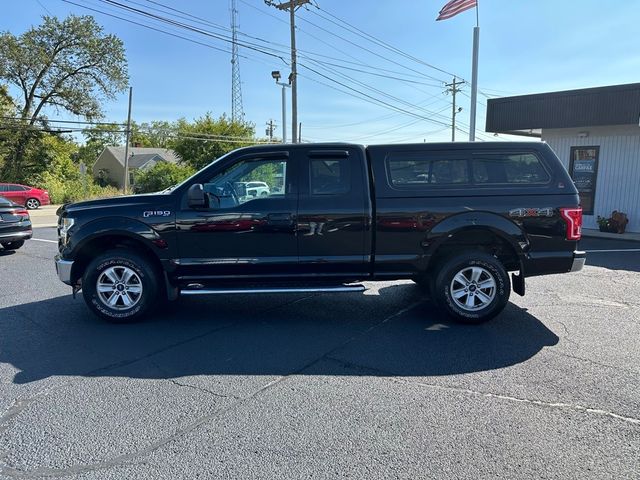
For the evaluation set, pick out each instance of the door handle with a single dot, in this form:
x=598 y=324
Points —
x=280 y=219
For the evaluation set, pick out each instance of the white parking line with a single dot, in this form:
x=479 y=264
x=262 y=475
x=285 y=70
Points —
x=614 y=250
x=43 y=240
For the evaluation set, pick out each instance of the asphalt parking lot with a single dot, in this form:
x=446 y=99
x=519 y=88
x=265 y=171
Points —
x=374 y=385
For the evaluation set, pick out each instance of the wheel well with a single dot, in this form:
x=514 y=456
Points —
x=100 y=245
x=478 y=239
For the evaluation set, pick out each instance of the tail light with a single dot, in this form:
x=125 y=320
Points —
x=573 y=219
x=22 y=213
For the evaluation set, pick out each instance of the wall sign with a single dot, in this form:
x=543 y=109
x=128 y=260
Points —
x=583 y=169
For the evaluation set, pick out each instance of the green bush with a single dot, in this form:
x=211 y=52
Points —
x=162 y=175
x=74 y=190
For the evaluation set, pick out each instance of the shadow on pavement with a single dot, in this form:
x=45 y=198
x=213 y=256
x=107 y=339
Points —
x=268 y=335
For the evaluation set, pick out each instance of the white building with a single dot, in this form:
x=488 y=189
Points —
x=596 y=134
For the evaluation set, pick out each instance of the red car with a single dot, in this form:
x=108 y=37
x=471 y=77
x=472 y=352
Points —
x=30 y=197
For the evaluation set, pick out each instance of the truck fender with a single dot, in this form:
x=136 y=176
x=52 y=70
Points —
x=468 y=221
x=115 y=226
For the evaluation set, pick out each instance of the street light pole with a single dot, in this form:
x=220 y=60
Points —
x=276 y=75
x=284 y=111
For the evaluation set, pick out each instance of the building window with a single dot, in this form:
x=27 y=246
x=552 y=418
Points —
x=583 y=167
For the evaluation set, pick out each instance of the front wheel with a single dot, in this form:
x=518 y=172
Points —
x=120 y=286
x=472 y=287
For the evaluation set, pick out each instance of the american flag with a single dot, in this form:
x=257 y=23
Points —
x=455 y=7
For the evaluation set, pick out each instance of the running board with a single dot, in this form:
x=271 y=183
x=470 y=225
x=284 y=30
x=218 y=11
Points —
x=310 y=289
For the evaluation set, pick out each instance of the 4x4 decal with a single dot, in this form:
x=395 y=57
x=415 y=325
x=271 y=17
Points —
x=531 y=212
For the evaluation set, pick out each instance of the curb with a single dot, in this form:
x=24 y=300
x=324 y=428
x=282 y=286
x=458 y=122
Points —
x=627 y=237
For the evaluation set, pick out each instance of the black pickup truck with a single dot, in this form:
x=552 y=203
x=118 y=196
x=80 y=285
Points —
x=453 y=217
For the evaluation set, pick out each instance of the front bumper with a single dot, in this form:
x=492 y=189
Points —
x=16 y=236
x=63 y=269
x=579 y=258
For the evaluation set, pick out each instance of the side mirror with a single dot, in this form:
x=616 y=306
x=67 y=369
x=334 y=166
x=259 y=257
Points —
x=196 y=197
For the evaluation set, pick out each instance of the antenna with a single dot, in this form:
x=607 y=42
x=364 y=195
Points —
x=237 y=112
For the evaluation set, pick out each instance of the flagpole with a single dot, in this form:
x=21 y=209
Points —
x=474 y=78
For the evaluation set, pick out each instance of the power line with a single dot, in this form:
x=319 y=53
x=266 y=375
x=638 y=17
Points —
x=250 y=46
x=390 y=60
x=367 y=36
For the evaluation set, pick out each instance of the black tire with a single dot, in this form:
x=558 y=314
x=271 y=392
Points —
x=13 y=245
x=471 y=302
x=121 y=262
x=32 y=204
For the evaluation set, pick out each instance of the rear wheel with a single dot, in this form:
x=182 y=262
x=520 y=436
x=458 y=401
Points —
x=13 y=245
x=32 y=203
x=472 y=287
x=120 y=286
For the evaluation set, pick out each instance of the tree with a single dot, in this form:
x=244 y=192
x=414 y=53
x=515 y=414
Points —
x=162 y=175
x=7 y=134
x=69 y=65
x=156 y=134
x=206 y=139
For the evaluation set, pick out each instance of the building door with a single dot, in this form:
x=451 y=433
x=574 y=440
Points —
x=583 y=168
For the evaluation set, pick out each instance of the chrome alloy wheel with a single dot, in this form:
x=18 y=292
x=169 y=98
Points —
x=473 y=288
x=119 y=288
x=32 y=204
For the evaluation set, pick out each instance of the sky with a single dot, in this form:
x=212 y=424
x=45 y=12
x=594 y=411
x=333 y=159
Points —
x=351 y=88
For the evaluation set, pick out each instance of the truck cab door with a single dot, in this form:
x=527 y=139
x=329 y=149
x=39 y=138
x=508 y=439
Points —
x=334 y=213
x=240 y=233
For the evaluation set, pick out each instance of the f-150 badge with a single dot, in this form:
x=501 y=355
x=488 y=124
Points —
x=531 y=212
x=156 y=213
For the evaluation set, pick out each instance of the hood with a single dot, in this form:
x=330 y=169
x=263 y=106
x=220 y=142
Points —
x=120 y=201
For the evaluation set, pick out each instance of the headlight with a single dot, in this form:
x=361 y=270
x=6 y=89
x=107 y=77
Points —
x=65 y=226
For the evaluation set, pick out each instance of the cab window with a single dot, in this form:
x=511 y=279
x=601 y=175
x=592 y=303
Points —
x=330 y=176
x=248 y=180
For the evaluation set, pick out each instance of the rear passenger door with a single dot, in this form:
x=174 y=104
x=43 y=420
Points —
x=334 y=213
x=15 y=193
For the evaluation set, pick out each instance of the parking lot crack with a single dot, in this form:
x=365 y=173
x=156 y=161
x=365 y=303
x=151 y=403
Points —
x=522 y=400
x=594 y=362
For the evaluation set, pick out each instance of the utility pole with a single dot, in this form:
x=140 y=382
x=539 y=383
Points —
x=125 y=184
x=453 y=88
x=270 y=128
x=291 y=6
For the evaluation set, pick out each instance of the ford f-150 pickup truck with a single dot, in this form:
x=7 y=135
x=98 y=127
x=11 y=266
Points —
x=453 y=217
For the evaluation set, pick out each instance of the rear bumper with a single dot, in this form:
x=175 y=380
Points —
x=547 y=263
x=579 y=258
x=63 y=269
x=15 y=236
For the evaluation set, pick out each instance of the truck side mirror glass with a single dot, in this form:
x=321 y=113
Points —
x=196 y=197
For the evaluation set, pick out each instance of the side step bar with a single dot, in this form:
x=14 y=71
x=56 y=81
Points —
x=310 y=289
